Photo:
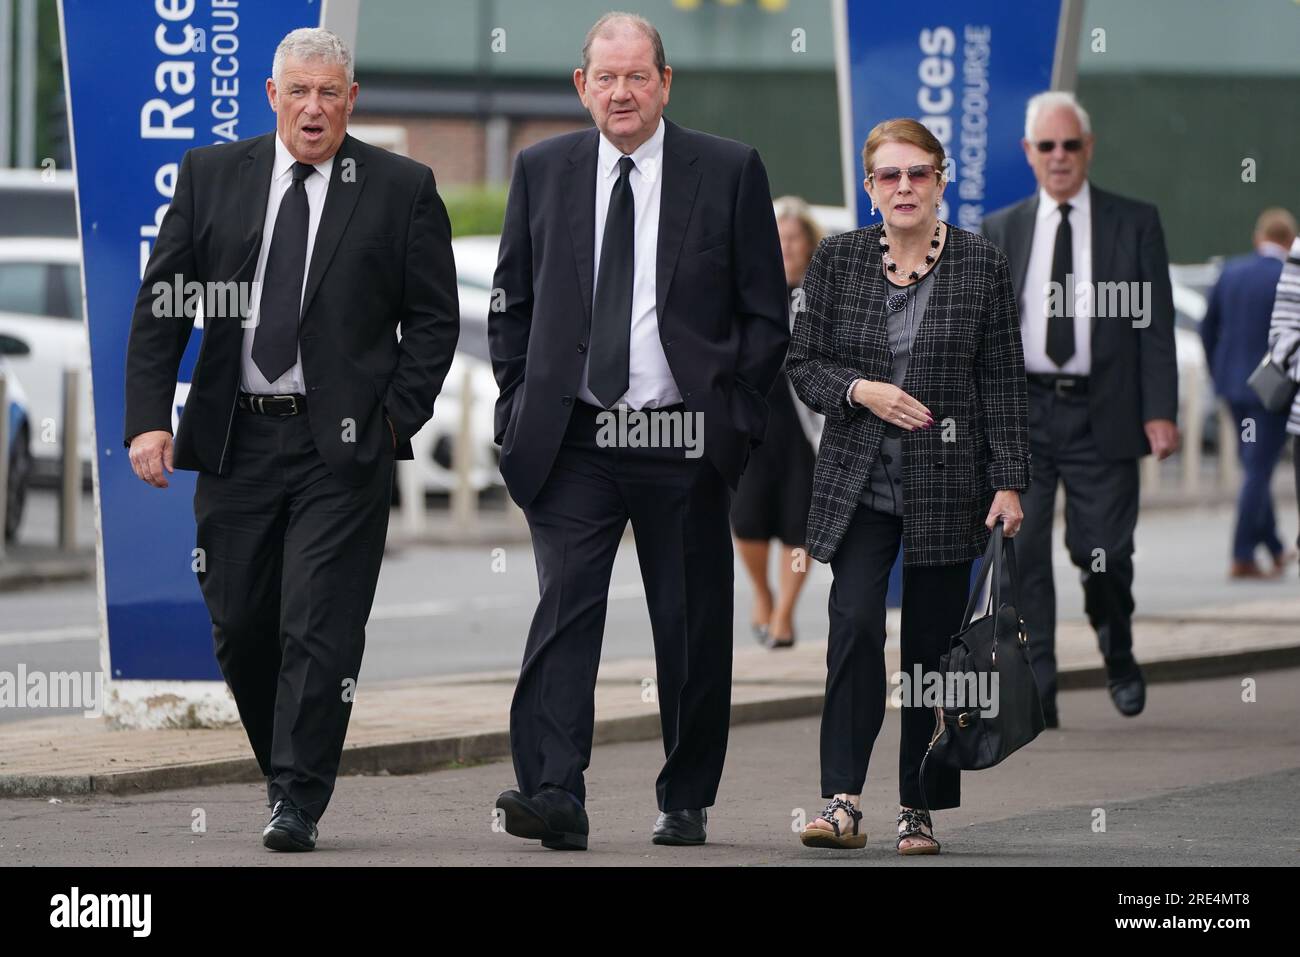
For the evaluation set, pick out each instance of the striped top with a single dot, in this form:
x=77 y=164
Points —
x=1284 y=331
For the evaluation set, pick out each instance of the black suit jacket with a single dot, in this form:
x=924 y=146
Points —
x=1134 y=373
x=382 y=257
x=719 y=288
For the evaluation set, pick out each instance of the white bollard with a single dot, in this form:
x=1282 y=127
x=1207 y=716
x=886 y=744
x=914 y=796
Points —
x=70 y=459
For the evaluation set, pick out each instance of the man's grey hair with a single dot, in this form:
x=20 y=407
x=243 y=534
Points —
x=312 y=43
x=1045 y=102
x=605 y=27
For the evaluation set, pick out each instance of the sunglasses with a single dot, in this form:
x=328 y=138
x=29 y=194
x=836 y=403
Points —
x=890 y=175
x=1071 y=146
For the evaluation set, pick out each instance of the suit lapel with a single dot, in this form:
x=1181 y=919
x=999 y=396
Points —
x=1020 y=237
x=340 y=201
x=580 y=199
x=681 y=181
x=1104 y=225
x=875 y=330
x=254 y=187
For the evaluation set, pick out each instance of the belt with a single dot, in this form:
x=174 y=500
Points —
x=272 y=404
x=1060 y=384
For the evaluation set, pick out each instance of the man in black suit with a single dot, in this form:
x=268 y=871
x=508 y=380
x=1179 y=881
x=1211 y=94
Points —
x=641 y=268
x=299 y=403
x=1097 y=321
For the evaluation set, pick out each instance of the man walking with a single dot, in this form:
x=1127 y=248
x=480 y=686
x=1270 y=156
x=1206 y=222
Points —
x=296 y=411
x=1097 y=322
x=1235 y=334
x=641 y=269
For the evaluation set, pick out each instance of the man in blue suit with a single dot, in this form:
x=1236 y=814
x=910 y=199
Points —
x=1235 y=333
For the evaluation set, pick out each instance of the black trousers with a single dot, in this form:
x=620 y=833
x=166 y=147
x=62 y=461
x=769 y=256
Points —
x=292 y=556
x=1101 y=510
x=678 y=507
x=934 y=600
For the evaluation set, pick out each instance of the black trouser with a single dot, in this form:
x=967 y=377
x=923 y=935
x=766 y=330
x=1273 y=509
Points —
x=678 y=507
x=292 y=557
x=1101 y=510
x=934 y=601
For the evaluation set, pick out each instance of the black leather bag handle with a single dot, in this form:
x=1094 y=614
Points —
x=999 y=545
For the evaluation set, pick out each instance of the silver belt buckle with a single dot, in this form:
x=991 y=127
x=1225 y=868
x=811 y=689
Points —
x=293 y=400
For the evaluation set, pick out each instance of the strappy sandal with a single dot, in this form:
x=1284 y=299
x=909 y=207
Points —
x=913 y=822
x=820 y=837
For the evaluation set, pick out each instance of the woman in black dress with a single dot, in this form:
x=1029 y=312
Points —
x=776 y=487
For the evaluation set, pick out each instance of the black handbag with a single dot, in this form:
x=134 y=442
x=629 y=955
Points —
x=1276 y=389
x=987 y=657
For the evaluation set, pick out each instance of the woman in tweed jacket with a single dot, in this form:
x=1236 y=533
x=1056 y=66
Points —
x=920 y=375
x=1284 y=343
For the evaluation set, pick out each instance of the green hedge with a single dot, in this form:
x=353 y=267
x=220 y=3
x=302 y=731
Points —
x=475 y=210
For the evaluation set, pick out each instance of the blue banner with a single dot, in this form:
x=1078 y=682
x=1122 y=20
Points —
x=964 y=68
x=147 y=81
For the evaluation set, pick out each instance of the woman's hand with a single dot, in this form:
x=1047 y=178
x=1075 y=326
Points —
x=1006 y=506
x=892 y=404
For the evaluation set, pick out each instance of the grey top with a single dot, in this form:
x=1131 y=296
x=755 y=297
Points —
x=884 y=489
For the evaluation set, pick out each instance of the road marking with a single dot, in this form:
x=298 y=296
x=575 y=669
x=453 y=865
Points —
x=49 y=636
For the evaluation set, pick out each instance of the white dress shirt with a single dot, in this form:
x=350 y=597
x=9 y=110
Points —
x=650 y=380
x=316 y=185
x=1033 y=298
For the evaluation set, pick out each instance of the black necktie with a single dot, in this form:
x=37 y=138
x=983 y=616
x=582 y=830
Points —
x=1060 y=322
x=611 y=314
x=275 y=344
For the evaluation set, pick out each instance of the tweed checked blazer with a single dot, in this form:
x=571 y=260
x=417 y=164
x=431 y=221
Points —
x=967 y=367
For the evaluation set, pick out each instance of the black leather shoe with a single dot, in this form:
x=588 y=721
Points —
x=681 y=827
x=291 y=829
x=552 y=815
x=1129 y=693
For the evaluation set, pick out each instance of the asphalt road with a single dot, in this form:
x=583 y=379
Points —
x=1201 y=778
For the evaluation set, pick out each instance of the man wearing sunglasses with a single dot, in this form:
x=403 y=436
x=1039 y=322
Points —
x=1103 y=388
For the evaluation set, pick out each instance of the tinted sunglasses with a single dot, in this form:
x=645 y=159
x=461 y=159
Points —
x=1071 y=146
x=890 y=175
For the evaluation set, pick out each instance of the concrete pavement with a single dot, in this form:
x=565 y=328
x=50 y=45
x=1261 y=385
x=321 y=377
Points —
x=427 y=723
x=1201 y=778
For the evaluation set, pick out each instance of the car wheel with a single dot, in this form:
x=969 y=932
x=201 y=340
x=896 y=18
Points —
x=20 y=471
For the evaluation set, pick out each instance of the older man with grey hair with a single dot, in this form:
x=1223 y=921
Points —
x=298 y=408
x=1097 y=322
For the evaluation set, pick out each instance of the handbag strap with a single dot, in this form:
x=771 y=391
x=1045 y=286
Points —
x=995 y=564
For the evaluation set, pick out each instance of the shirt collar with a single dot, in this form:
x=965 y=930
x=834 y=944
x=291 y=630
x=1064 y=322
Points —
x=647 y=158
x=284 y=160
x=1274 y=250
x=1080 y=201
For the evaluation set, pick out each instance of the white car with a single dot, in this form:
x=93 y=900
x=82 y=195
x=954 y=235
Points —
x=471 y=374
x=41 y=305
